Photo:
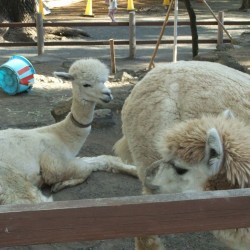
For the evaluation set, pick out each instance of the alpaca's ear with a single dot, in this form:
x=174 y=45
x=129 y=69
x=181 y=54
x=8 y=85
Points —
x=228 y=114
x=214 y=151
x=64 y=76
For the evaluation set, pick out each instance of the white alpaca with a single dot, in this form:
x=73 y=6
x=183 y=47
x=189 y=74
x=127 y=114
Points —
x=167 y=95
x=47 y=155
x=209 y=153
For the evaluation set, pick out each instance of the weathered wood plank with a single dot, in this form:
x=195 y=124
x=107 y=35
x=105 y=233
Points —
x=123 y=217
x=104 y=23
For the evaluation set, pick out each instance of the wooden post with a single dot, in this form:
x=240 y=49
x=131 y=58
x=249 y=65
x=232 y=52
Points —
x=132 y=35
x=40 y=33
x=219 y=23
x=112 y=55
x=220 y=30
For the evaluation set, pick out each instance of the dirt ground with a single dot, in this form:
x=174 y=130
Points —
x=33 y=109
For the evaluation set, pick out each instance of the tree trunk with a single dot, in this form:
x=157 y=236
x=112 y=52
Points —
x=24 y=11
x=245 y=4
x=18 y=11
x=192 y=17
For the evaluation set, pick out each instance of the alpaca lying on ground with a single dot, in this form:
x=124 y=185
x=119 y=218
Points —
x=199 y=149
x=47 y=155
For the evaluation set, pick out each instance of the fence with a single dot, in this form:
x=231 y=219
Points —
x=111 y=218
x=132 y=41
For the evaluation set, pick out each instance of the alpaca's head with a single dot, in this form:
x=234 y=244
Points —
x=88 y=78
x=202 y=154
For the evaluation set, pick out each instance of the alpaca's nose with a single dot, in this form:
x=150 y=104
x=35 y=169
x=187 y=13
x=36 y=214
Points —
x=152 y=170
x=107 y=97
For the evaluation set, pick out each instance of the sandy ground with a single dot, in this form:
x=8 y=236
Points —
x=33 y=109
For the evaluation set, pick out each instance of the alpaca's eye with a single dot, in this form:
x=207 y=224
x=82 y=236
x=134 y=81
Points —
x=86 y=85
x=213 y=153
x=178 y=170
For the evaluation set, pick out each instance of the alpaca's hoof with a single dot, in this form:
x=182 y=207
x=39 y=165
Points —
x=69 y=183
x=57 y=187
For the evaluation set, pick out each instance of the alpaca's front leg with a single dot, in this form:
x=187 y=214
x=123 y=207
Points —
x=60 y=172
x=63 y=173
x=69 y=183
x=87 y=165
x=111 y=164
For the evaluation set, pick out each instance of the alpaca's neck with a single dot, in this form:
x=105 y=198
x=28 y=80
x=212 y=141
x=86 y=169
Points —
x=73 y=133
x=83 y=113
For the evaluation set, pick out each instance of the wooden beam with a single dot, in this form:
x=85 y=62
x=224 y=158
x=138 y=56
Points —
x=40 y=32
x=97 y=219
x=138 y=23
x=132 y=35
x=112 y=56
x=106 y=42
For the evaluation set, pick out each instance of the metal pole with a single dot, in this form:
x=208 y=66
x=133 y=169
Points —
x=175 y=30
x=41 y=10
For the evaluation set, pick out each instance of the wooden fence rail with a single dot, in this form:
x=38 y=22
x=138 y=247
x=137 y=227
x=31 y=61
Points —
x=111 y=218
x=138 y=23
x=106 y=42
x=116 y=42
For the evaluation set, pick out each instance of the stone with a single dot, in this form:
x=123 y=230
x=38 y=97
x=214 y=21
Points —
x=61 y=109
x=103 y=118
x=124 y=76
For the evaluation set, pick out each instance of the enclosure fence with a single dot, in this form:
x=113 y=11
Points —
x=132 y=41
x=112 y=218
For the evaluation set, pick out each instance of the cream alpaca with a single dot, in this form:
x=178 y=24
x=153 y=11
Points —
x=30 y=158
x=176 y=92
